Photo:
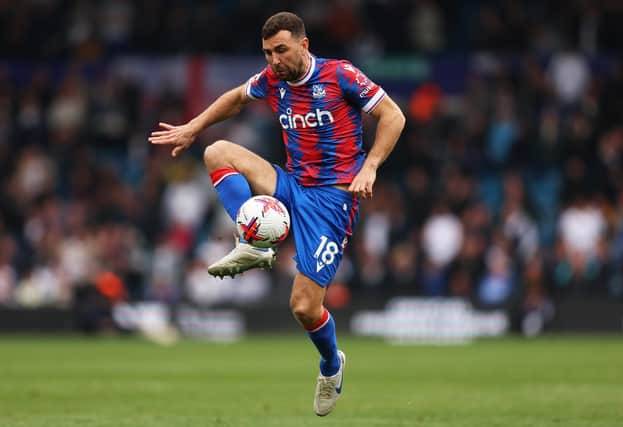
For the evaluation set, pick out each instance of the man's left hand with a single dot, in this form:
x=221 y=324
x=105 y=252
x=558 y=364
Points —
x=363 y=182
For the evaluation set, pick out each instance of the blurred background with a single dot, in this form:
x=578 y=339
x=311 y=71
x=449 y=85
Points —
x=502 y=202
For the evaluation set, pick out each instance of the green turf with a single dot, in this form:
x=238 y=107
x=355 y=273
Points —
x=48 y=382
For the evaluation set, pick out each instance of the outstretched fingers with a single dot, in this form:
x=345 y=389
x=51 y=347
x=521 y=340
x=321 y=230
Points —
x=162 y=139
x=178 y=136
x=160 y=132
x=163 y=136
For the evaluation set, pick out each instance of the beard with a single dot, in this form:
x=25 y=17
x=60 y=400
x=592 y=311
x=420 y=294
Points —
x=289 y=74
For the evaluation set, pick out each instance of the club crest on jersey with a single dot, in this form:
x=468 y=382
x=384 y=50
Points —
x=282 y=92
x=318 y=91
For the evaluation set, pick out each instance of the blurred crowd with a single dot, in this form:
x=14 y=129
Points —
x=90 y=29
x=509 y=193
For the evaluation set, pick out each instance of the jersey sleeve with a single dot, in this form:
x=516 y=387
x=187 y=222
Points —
x=358 y=88
x=257 y=85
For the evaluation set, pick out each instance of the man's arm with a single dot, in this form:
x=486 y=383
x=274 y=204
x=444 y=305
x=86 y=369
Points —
x=391 y=121
x=181 y=137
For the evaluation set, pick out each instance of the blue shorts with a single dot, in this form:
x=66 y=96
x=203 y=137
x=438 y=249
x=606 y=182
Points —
x=322 y=222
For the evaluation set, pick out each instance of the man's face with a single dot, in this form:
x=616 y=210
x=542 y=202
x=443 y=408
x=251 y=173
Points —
x=286 y=55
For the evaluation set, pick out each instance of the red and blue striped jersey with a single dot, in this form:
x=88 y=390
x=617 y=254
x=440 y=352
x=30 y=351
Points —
x=321 y=118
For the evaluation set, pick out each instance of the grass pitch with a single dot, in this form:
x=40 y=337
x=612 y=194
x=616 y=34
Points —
x=269 y=381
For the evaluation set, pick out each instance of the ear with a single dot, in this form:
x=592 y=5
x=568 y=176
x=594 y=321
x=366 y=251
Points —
x=305 y=43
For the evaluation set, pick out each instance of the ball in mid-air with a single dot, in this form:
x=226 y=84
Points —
x=263 y=221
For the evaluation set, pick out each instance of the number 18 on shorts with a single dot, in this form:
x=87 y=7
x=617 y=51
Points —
x=322 y=222
x=326 y=253
x=321 y=237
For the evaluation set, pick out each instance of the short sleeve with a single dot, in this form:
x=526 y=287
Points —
x=257 y=86
x=358 y=88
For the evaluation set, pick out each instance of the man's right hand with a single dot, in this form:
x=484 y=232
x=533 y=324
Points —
x=181 y=137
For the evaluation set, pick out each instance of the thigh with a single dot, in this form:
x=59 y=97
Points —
x=260 y=174
x=322 y=221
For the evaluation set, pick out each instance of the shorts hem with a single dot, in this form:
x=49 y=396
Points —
x=311 y=277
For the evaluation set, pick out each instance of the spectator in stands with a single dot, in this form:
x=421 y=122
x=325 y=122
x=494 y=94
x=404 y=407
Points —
x=581 y=252
x=442 y=238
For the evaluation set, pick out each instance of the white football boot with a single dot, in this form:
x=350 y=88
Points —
x=328 y=389
x=242 y=258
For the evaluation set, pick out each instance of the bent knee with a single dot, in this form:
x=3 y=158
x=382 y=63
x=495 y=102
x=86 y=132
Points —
x=216 y=156
x=304 y=312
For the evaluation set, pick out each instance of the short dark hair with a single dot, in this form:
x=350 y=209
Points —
x=283 y=21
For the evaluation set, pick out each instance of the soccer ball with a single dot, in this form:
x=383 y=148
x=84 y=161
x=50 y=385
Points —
x=263 y=221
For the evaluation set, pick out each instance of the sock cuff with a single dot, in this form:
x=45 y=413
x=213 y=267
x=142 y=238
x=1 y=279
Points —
x=320 y=323
x=219 y=175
